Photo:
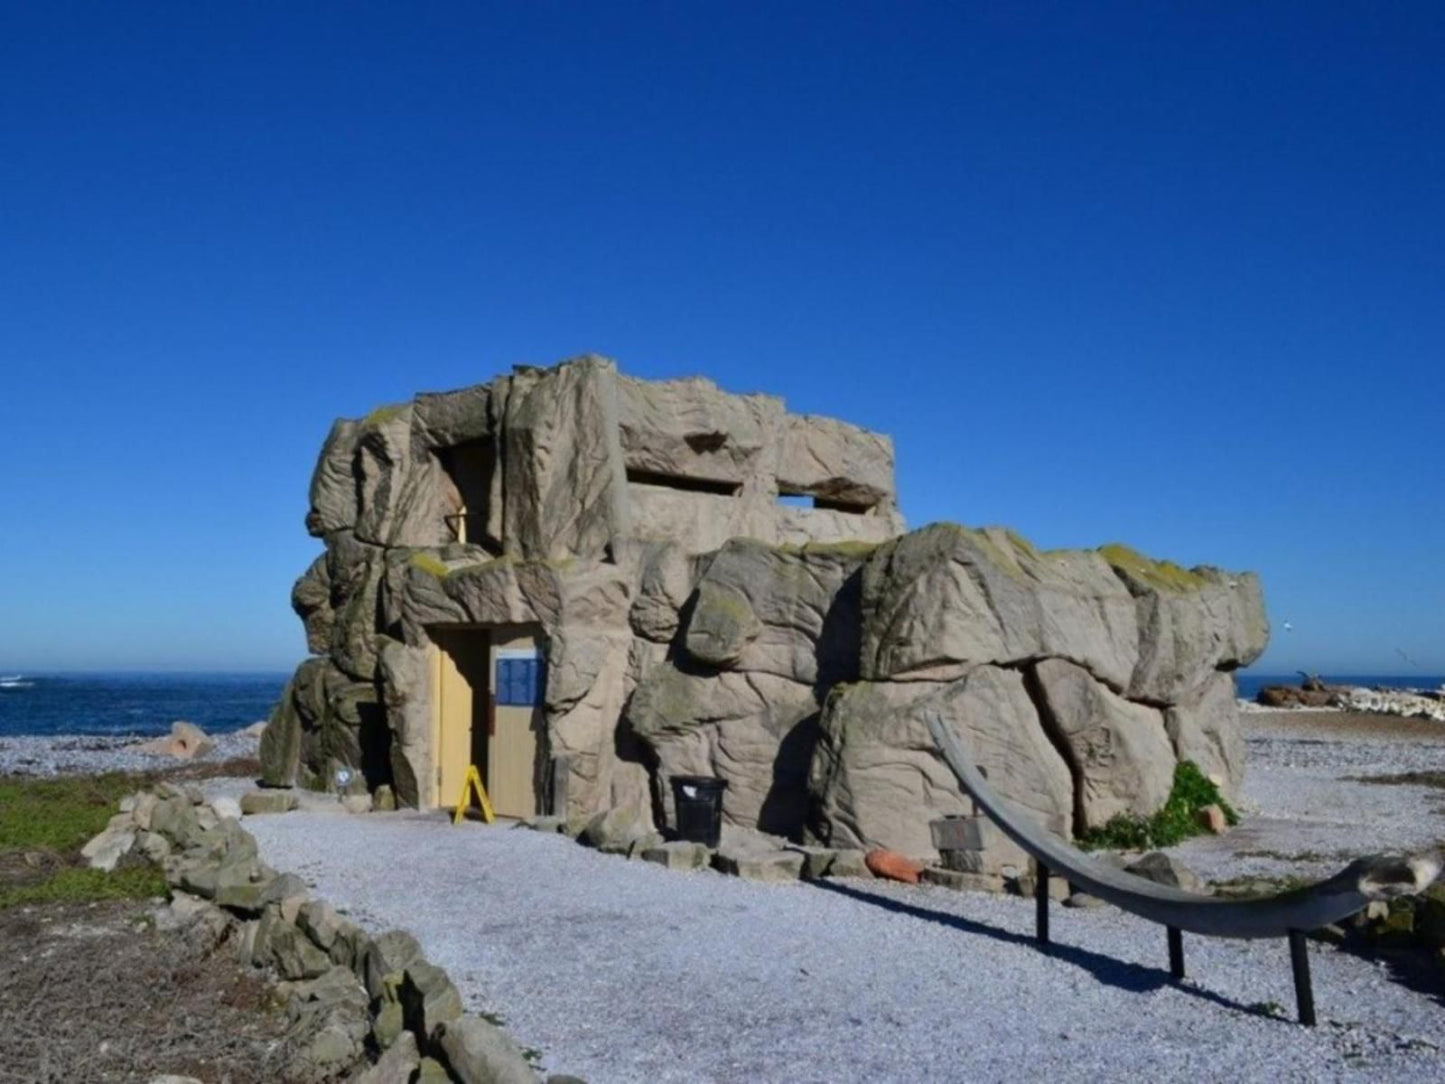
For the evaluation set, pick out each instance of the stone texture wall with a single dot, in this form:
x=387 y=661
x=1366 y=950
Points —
x=694 y=624
x=606 y=496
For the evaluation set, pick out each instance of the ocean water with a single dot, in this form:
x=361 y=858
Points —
x=147 y=704
x=135 y=703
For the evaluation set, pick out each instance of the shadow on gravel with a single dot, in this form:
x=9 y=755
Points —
x=1411 y=966
x=1120 y=974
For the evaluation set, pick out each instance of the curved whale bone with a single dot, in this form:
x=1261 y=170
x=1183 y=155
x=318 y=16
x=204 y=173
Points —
x=1288 y=914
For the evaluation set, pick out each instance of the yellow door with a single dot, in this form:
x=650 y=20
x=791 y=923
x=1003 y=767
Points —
x=460 y=679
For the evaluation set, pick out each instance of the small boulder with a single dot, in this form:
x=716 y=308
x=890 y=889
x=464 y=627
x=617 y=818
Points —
x=227 y=808
x=892 y=865
x=397 y=1065
x=317 y=919
x=613 y=830
x=294 y=955
x=765 y=866
x=850 y=863
x=1212 y=819
x=680 y=854
x=357 y=803
x=185 y=742
x=267 y=801
x=107 y=849
x=817 y=861
x=384 y=800
x=388 y=954
x=1162 y=869
x=477 y=1052
x=427 y=997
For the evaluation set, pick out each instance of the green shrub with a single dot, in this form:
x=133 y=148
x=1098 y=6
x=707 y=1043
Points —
x=1172 y=824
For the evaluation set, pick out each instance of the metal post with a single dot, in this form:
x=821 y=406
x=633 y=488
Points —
x=1304 y=993
x=1176 y=953
x=1041 y=903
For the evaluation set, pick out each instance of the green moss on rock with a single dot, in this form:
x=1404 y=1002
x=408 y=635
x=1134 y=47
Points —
x=430 y=564
x=1165 y=575
x=383 y=414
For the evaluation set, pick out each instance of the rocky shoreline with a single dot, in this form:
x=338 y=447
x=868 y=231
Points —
x=1312 y=693
x=84 y=754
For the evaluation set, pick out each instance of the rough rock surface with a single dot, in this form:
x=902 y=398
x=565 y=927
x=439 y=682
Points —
x=878 y=780
x=947 y=597
x=1118 y=751
x=693 y=624
x=1205 y=729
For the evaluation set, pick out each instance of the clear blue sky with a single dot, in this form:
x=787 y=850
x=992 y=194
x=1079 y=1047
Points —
x=1161 y=273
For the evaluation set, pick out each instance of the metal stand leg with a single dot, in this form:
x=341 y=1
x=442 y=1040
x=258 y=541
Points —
x=1176 y=953
x=1041 y=903
x=1303 y=991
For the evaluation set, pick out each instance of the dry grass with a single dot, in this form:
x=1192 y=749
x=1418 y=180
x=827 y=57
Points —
x=95 y=992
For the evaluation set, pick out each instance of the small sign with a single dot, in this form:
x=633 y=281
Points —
x=472 y=786
x=520 y=681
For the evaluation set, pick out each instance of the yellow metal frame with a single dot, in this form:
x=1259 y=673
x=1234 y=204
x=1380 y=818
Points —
x=473 y=784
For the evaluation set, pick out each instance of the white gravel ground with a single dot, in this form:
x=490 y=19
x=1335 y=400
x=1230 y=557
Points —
x=1306 y=814
x=622 y=971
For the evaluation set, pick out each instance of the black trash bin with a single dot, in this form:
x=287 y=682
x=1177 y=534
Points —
x=698 y=800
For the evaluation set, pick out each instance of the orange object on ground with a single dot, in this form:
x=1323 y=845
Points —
x=892 y=865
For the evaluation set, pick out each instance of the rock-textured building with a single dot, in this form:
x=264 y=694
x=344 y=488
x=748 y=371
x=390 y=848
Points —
x=585 y=583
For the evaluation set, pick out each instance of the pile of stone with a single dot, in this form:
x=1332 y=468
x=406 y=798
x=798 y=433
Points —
x=1411 y=704
x=351 y=997
x=741 y=852
x=975 y=856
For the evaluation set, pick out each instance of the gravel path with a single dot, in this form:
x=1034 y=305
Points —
x=623 y=971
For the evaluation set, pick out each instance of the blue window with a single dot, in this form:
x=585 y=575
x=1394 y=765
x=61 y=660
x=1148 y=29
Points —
x=519 y=681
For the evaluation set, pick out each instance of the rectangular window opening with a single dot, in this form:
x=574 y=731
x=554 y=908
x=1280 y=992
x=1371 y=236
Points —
x=796 y=498
x=687 y=485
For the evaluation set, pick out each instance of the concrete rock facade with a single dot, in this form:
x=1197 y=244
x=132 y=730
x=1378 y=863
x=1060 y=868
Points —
x=696 y=624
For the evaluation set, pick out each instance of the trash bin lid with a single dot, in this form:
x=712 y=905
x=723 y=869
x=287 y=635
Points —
x=706 y=781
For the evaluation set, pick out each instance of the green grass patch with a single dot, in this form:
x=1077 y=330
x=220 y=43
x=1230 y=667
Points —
x=60 y=814
x=51 y=819
x=1172 y=824
x=81 y=884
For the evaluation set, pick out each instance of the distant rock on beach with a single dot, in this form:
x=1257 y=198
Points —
x=1313 y=692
